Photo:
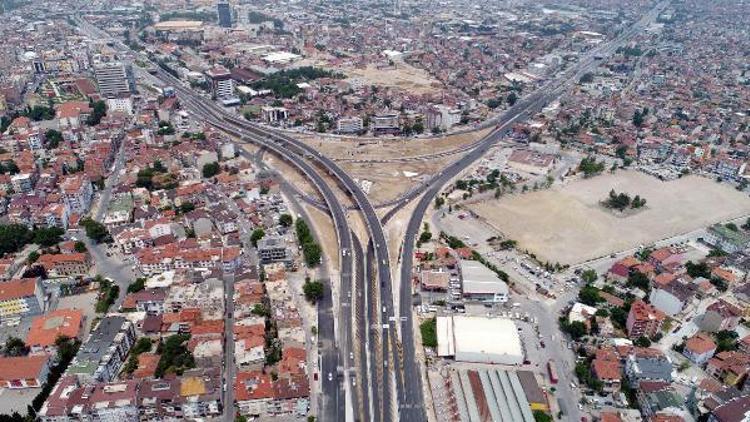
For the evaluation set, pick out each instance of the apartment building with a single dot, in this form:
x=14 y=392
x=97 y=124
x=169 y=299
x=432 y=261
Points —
x=644 y=320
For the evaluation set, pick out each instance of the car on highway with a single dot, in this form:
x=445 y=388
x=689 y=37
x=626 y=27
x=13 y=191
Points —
x=330 y=376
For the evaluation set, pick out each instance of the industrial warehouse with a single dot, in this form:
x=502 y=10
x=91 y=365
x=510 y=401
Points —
x=465 y=339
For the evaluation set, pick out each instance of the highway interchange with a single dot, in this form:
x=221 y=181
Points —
x=367 y=348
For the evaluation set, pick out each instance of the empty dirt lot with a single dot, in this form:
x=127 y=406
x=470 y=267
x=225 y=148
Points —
x=568 y=225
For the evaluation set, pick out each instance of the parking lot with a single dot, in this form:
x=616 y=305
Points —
x=527 y=274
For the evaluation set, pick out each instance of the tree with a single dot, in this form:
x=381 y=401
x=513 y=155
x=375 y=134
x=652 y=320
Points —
x=14 y=347
x=726 y=341
x=159 y=167
x=541 y=416
x=211 y=169
x=638 y=118
x=312 y=253
x=589 y=276
x=428 y=329
x=53 y=138
x=256 y=236
x=587 y=77
x=261 y=310
x=13 y=238
x=313 y=291
x=95 y=230
x=698 y=270
x=47 y=237
x=80 y=247
x=286 y=220
x=589 y=295
x=32 y=258
x=99 y=110
x=642 y=341
x=186 y=207
x=138 y=285
x=637 y=279
x=590 y=167
x=619 y=317
x=175 y=357
x=512 y=98
x=35 y=271
x=731 y=226
x=576 y=329
x=425 y=236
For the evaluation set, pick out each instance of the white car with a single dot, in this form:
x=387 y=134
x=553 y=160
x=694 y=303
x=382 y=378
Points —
x=330 y=376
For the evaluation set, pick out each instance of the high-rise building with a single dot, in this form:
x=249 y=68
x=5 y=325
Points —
x=113 y=79
x=222 y=84
x=224 y=12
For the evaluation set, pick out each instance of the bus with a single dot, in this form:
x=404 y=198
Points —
x=552 y=372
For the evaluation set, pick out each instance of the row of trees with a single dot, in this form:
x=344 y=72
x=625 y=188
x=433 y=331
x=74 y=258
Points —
x=310 y=249
x=13 y=237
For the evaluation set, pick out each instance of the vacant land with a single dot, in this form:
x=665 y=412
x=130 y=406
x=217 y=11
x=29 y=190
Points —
x=568 y=225
x=352 y=148
x=402 y=76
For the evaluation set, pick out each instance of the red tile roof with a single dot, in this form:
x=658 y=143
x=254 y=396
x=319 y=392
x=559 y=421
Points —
x=22 y=367
x=47 y=328
x=17 y=288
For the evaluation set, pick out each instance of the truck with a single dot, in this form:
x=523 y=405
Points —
x=552 y=370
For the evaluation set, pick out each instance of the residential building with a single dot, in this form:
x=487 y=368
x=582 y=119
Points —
x=720 y=315
x=608 y=372
x=652 y=367
x=120 y=105
x=731 y=368
x=274 y=249
x=699 y=348
x=22 y=182
x=72 y=399
x=726 y=239
x=644 y=320
x=77 y=193
x=673 y=298
x=274 y=114
x=385 y=123
x=150 y=301
x=736 y=410
x=350 y=125
x=100 y=358
x=259 y=395
x=157 y=260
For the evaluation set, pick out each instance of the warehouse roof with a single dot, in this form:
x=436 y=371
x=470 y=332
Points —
x=478 y=279
x=466 y=335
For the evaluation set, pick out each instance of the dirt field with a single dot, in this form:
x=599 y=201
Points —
x=403 y=76
x=568 y=225
x=342 y=148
